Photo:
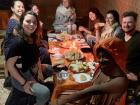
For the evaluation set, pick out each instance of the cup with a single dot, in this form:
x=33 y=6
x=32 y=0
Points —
x=74 y=29
x=62 y=75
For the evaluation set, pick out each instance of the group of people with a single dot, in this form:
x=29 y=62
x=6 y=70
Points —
x=106 y=33
x=27 y=58
x=115 y=45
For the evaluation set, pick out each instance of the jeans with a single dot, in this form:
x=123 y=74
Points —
x=41 y=92
x=90 y=40
x=17 y=97
x=41 y=96
x=47 y=70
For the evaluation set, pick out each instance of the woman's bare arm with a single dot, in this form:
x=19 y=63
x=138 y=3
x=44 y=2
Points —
x=114 y=86
x=10 y=63
x=81 y=28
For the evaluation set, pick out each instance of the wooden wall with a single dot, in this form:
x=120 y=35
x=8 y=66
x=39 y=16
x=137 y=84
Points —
x=4 y=16
x=48 y=8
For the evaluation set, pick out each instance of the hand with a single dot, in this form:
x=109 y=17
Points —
x=116 y=97
x=96 y=26
x=137 y=91
x=131 y=76
x=54 y=102
x=27 y=87
x=81 y=28
x=40 y=76
x=60 y=102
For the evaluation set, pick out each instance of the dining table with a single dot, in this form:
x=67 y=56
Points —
x=69 y=80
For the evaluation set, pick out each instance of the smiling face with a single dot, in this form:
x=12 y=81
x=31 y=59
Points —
x=128 y=24
x=29 y=24
x=35 y=9
x=18 y=8
x=110 y=19
x=92 y=16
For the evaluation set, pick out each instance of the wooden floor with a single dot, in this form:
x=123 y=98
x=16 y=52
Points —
x=1 y=63
x=3 y=93
x=2 y=33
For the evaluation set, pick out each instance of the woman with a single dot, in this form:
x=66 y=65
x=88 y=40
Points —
x=17 y=8
x=35 y=9
x=23 y=62
x=112 y=54
x=95 y=17
x=43 y=44
x=65 y=14
x=112 y=26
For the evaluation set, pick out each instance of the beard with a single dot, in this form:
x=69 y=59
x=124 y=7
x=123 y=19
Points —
x=129 y=30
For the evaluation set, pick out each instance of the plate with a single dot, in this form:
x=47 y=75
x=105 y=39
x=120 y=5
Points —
x=52 y=35
x=61 y=36
x=53 y=50
x=66 y=44
x=73 y=55
x=81 y=77
x=57 y=55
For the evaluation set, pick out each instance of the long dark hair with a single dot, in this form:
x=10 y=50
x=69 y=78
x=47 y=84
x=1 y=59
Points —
x=97 y=13
x=115 y=15
x=19 y=29
x=13 y=3
x=29 y=7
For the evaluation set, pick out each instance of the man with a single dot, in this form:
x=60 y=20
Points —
x=132 y=38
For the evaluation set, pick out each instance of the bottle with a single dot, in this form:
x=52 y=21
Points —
x=69 y=28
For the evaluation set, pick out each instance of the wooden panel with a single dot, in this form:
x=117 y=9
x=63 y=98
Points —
x=4 y=16
x=48 y=8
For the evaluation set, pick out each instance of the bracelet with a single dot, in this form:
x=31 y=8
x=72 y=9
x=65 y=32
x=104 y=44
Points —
x=24 y=83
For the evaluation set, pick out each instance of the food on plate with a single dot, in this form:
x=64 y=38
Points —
x=63 y=36
x=73 y=55
x=60 y=36
x=53 y=50
x=66 y=44
x=82 y=41
x=83 y=77
x=79 y=66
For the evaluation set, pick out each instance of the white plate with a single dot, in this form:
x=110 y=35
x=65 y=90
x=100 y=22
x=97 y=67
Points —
x=78 y=79
x=52 y=35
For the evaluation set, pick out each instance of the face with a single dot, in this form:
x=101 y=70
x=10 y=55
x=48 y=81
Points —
x=128 y=24
x=106 y=61
x=35 y=9
x=29 y=24
x=109 y=19
x=66 y=3
x=18 y=8
x=92 y=16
